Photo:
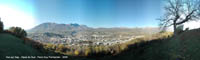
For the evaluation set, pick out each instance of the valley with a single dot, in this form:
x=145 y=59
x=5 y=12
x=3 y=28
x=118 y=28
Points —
x=83 y=35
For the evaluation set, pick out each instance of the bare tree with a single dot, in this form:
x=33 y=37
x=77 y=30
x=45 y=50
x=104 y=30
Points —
x=178 y=12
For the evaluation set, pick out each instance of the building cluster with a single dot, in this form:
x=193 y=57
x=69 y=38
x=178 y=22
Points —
x=86 y=39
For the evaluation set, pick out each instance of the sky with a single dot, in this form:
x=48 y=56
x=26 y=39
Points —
x=93 y=13
x=100 y=13
x=17 y=13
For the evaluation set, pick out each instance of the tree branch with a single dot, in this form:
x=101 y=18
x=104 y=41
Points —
x=187 y=18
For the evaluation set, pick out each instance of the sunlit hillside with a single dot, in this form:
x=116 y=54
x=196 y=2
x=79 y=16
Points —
x=14 y=46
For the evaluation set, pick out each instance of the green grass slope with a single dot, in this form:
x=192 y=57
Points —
x=189 y=45
x=13 y=46
x=183 y=47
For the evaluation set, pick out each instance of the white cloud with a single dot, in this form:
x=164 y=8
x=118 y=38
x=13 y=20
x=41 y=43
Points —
x=190 y=25
x=14 y=17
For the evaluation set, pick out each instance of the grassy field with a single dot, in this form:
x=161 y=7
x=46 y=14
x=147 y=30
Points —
x=13 y=46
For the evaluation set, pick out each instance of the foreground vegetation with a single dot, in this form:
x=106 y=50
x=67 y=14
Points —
x=12 y=46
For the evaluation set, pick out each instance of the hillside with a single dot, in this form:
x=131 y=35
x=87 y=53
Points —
x=56 y=28
x=62 y=28
x=183 y=47
x=13 y=46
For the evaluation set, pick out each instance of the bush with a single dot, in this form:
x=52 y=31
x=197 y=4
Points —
x=87 y=51
x=165 y=35
x=50 y=47
x=17 y=31
x=187 y=29
x=76 y=52
x=179 y=29
x=60 y=48
x=1 y=26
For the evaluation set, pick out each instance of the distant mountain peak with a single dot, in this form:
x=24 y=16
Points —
x=49 y=23
x=73 y=24
x=53 y=27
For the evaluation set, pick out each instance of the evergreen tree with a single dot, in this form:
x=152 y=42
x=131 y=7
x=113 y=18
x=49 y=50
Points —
x=1 y=25
x=19 y=32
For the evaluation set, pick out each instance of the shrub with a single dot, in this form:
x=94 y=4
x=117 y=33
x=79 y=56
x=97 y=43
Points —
x=87 y=51
x=60 y=48
x=187 y=29
x=165 y=35
x=96 y=49
x=50 y=47
x=1 y=26
x=76 y=52
x=123 y=46
x=179 y=29
x=19 y=32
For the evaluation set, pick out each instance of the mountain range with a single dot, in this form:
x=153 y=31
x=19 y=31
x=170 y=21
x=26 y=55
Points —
x=55 y=33
x=52 y=27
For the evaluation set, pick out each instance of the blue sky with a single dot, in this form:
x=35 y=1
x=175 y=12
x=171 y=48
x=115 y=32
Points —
x=93 y=13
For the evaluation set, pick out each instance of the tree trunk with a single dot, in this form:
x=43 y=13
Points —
x=175 y=30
